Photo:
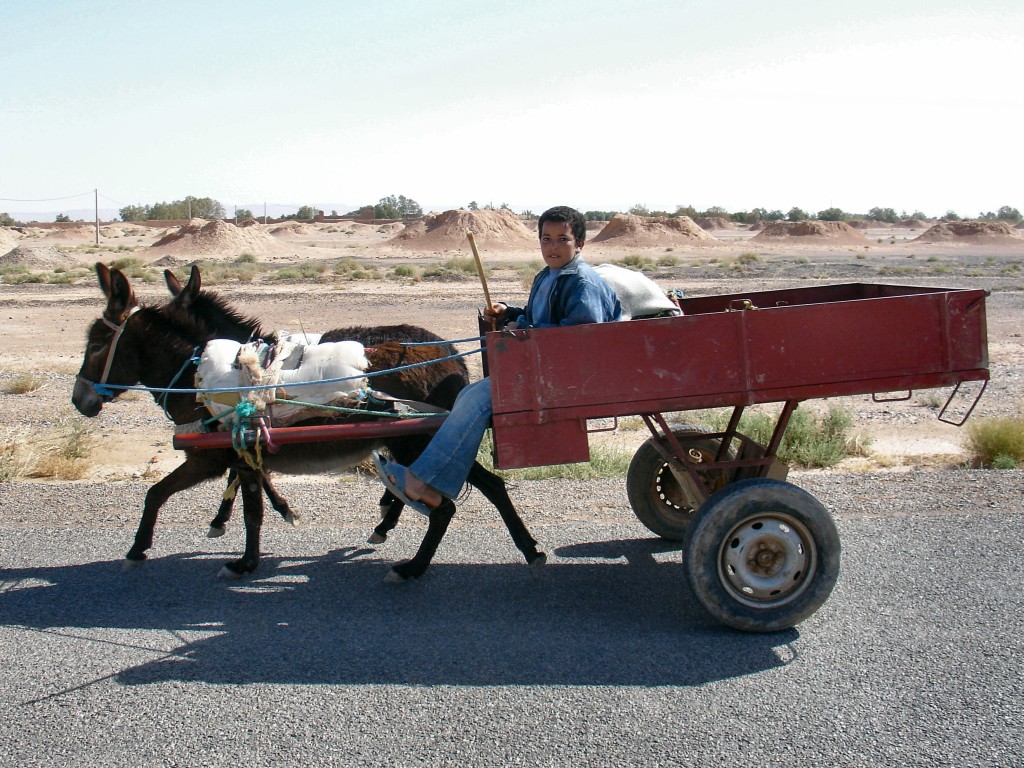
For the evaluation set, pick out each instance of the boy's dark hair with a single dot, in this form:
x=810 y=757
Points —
x=569 y=215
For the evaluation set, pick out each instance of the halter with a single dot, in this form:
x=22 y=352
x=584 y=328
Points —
x=118 y=330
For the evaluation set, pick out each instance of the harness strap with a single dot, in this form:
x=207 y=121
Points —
x=118 y=330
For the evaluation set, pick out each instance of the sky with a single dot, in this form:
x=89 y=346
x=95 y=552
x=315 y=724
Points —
x=905 y=104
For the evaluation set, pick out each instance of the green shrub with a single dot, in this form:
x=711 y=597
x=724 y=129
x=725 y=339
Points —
x=458 y=266
x=404 y=270
x=996 y=442
x=810 y=440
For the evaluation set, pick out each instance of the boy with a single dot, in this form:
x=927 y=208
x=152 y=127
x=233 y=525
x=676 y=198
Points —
x=568 y=291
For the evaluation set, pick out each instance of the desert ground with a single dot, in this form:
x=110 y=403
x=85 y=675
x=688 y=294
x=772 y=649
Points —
x=45 y=323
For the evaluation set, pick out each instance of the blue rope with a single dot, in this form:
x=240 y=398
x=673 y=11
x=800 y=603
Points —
x=105 y=390
x=439 y=343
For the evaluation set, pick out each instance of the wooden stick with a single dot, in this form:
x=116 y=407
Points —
x=479 y=268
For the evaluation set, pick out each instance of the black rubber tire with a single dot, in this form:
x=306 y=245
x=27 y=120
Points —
x=658 y=500
x=797 y=555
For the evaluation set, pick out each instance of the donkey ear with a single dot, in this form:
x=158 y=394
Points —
x=103 y=275
x=195 y=282
x=173 y=283
x=185 y=295
x=121 y=297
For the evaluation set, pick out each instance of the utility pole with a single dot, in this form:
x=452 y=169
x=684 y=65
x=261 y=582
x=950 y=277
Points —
x=96 y=203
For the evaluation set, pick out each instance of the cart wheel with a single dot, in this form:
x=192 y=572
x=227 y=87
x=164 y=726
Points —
x=763 y=555
x=658 y=500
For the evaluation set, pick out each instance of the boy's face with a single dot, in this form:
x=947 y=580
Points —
x=557 y=244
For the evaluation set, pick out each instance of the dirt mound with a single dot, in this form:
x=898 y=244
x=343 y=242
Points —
x=494 y=230
x=39 y=257
x=976 y=232
x=124 y=230
x=811 y=231
x=1020 y=225
x=708 y=223
x=8 y=237
x=869 y=224
x=388 y=229
x=72 y=233
x=293 y=228
x=648 y=231
x=216 y=238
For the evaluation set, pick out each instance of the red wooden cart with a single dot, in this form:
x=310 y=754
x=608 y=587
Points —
x=761 y=554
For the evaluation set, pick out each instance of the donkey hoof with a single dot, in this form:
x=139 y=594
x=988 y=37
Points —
x=292 y=519
x=394 y=577
x=376 y=538
x=229 y=573
x=214 y=532
x=129 y=564
x=536 y=565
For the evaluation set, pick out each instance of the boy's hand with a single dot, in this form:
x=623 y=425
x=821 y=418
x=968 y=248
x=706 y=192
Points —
x=496 y=313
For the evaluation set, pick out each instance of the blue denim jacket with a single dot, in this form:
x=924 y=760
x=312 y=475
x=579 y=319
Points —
x=579 y=295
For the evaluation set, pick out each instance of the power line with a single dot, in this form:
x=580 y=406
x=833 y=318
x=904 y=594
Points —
x=43 y=199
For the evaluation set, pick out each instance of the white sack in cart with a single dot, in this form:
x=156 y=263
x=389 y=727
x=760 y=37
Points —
x=229 y=365
x=638 y=294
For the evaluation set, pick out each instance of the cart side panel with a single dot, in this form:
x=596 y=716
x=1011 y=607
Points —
x=802 y=346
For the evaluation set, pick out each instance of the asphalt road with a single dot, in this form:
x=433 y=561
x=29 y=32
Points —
x=606 y=660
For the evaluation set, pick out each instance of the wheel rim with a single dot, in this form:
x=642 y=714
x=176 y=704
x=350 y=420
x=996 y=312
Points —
x=767 y=560
x=675 y=495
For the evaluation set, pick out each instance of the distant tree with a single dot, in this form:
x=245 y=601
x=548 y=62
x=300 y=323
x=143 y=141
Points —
x=766 y=215
x=243 y=214
x=62 y=218
x=472 y=206
x=527 y=214
x=400 y=207
x=951 y=215
x=831 y=214
x=1006 y=213
x=918 y=215
x=797 y=214
x=190 y=207
x=746 y=217
x=716 y=211
x=133 y=213
x=883 y=214
x=366 y=212
x=686 y=210
x=639 y=210
x=6 y=220
x=598 y=215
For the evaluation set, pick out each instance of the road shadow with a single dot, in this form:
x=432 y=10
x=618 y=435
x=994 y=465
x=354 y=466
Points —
x=623 y=616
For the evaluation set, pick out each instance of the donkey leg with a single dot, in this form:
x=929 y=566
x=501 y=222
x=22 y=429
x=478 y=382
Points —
x=227 y=502
x=440 y=517
x=494 y=490
x=252 y=508
x=278 y=502
x=390 y=510
x=190 y=472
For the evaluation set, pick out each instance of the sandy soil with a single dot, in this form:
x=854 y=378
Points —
x=45 y=324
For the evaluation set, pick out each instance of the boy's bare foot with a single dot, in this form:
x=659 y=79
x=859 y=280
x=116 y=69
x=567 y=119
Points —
x=417 y=490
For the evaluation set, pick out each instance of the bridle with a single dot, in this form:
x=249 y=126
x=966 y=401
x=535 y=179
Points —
x=118 y=330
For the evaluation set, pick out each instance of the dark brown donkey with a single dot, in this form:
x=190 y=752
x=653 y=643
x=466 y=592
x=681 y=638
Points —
x=155 y=345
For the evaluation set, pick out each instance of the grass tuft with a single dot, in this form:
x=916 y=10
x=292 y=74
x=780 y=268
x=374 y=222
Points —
x=996 y=443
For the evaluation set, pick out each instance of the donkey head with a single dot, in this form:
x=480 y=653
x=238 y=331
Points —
x=102 y=342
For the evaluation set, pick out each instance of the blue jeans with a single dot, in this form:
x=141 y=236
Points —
x=449 y=456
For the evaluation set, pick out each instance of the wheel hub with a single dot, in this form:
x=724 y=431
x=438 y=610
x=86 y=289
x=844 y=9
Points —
x=767 y=558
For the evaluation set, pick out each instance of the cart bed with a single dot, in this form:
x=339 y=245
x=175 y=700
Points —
x=797 y=344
